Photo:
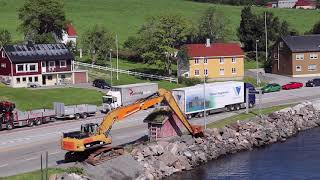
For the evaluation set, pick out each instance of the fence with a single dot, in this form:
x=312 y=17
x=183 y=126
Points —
x=171 y=79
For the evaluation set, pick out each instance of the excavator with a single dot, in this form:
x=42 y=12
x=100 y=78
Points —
x=94 y=136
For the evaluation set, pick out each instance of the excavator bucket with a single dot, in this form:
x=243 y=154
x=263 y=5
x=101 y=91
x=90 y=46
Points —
x=197 y=130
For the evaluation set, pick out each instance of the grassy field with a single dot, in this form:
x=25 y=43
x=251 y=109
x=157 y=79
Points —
x=124 y=17
x=244 y=116
x=26 y=99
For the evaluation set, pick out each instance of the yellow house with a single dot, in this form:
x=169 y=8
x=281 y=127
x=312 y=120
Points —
x=218 y=61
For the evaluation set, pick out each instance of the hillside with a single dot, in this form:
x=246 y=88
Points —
x=126 y=16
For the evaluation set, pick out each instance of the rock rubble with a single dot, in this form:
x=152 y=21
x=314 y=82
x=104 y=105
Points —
x=164 y=158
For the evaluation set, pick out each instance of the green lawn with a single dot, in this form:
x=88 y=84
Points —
x=244 y=116
x=26 y=99
x=252 y=64
x=125 y=17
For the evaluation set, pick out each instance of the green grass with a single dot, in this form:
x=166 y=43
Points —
x=244 y=116
x=125 y=17
x=252 y=64
x=26 y=99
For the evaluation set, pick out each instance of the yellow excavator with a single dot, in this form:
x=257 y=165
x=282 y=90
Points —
x=93 y=135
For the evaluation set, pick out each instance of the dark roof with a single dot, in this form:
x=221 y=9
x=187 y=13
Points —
x=215 y=49
x=37 y=52
x=306 y=43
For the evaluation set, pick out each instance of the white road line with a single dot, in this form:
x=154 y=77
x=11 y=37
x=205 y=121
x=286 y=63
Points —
x=3 y=165
x=29 y=159
x=57 y=152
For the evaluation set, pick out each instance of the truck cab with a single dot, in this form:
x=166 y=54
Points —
x=111 y=101
x=252 y=94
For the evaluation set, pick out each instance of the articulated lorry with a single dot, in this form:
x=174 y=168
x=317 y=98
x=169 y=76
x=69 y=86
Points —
x=127 y=94
x=219 y=96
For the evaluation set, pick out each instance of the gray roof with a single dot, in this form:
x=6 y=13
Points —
x=37 y=52
x=306 y=43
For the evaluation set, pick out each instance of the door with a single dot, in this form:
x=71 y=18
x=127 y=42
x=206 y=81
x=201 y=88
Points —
x=44 y=66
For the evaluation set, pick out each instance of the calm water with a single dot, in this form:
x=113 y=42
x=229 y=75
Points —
x=297 y=158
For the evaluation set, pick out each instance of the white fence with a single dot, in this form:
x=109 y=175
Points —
x=171 y=79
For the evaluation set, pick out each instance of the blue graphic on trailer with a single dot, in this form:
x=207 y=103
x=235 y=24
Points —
x=237 y=90
x=194 y=102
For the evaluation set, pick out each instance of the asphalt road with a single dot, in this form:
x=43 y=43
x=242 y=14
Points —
x=20 y=149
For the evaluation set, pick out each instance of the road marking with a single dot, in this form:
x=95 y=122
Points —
x=3 y=165
x=57 y=152
x=29 y=159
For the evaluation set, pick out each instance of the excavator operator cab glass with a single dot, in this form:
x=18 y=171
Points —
x=89 y=128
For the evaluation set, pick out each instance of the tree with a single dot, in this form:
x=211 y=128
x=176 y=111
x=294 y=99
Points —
x=316 y=28
x=212 y=25
x=41 y=20
x=98 y=40
x=159 y=38
x=5 y=37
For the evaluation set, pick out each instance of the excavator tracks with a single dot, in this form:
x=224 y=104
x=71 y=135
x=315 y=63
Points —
x=104 y=154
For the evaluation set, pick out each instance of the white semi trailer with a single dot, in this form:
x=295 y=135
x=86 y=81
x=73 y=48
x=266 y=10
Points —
x=219 y=96
x=127 y=94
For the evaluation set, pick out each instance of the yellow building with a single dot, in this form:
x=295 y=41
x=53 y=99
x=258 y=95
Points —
x=218 y=61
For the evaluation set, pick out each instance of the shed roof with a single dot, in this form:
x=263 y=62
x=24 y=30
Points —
x=306 y=43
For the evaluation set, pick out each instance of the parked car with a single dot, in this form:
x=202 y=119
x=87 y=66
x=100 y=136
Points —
x=271 y=88
x=292 y=85
x=33 y=85
x=313 y=82
x=100 y=83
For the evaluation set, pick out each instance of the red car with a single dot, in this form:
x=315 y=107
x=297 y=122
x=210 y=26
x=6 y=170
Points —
x=292 y=85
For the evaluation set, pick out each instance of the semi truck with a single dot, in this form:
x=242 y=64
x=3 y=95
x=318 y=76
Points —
x=127 y=94
x=74 y=111
x=219 y=96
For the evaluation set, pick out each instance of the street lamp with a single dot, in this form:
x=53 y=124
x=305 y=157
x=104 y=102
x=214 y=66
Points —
x=257 y=62
x=204 y=96
x=110 y=67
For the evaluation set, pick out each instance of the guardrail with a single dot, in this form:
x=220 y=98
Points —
x=171 y=79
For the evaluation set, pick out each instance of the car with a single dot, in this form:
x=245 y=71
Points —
x=292 y=85
x=271 y=88
x=33 y=85
x=313 y=83
x=101 y=83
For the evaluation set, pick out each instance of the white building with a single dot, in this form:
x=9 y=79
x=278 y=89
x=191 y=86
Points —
x=69 y=34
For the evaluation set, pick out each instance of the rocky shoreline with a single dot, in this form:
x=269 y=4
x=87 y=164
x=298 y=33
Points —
x=164 y=158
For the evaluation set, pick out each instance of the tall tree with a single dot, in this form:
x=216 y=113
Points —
x=316 y=28
x=42 y=19
x=212 y=25
x=5 y=37
x=160 y=37
x=98 y=40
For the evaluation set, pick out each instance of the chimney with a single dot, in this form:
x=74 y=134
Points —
x=208 y=42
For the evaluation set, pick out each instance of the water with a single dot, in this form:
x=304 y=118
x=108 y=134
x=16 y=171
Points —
x=297 y=158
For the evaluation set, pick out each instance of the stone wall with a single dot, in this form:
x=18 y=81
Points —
x=164 y=158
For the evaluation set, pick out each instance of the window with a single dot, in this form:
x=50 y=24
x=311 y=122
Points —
x=52 y=64
x=233 y=60
x=275 y=56
x=196 y=72
x=18 y=81
x=234 y=70
x=281 y=44
x=3 y=65
x=299 y=56
x=221 y=72
x=63 y=63
x=312 y=67
x=63 y=76
x=205 y=61
x=221 y=60
x=36 y=79
x=21 y=67
x=49 y=77
x=206 y=72
x=196 y=61
x=2 y=54
x=32 y=67
x=30 y=79
x=313 y=56
x=298 y=68
x=24 y=79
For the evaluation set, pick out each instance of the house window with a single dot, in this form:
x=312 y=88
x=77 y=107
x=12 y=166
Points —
x=63 y=63
x=21 y=67
x=233 y=60
x=18 y=81
x=30 y=79
x=24 y=79
x=234 y=70
x=281 y=44
x=196 y=72
x=221 y=71
x=312 y=67
x=313 y=56
x=298 y=68
x=63 y=76
x=299 y=56
x=3 y=65
x=52 y=64
x=205 y=61
x=49 y=77
x=275 y=56
x=36 y=79
x=206 y=72
x=32 y=67
x=2 y=54
x=196 y=61
x=221 y=60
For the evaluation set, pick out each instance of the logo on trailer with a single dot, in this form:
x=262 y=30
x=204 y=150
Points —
x=237 y=90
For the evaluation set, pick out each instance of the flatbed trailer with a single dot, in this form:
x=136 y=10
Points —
x=74 y=111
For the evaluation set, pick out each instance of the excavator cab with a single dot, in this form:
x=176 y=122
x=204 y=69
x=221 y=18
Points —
x=90 y=128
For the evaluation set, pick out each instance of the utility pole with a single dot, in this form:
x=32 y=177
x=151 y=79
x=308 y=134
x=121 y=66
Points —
x=266 y=32
x=257 y=62
x=204 y=97
x=117 y=46
x=110 y=67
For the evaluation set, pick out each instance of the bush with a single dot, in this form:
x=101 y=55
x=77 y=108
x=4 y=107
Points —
x=190 y=81
x=76 y=170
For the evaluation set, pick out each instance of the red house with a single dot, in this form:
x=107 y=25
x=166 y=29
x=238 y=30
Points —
x=40 y=64
x=305 y=4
